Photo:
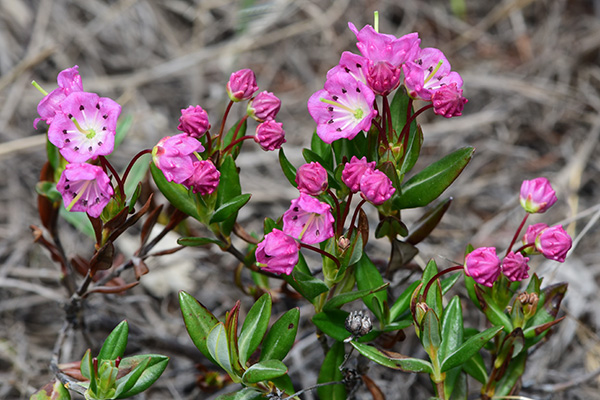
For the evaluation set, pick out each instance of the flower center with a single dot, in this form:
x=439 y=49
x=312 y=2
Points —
x=79 y=195
x=433 y=71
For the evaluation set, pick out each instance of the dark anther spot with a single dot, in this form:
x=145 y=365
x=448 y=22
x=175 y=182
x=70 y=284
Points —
x=84 y=202
x=303 y=225
x=295 y=217
x=90 y=149
x=357 y=90
x=98 y=106
x=338 y=130
x=99 y=143
x=330 y=121
x=290 y=326
x=103 y=128
x=70 y=116
x=335 y=98
x=64 y=131
x=81 y=107
x=67 y=140
x=76 y=148
x=105 y=116
x=358 y=65
x=430 y=69
x=295 y=209
x=317 y=233
x=344 y=91
x=347 y=69
x=330 y=109
x=97 y=200
x=67 y=187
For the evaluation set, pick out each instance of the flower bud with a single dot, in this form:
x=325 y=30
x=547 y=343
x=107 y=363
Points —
x=242 y=85
x=194 y=121
x=174 y=156
x=383 y=77
x=537 y=195
x=448 y=101
x=514 y=266
x=483 y=265
x=270 y=135
x=204 y=179
x=277 y=253
x=312 y=179
x=354 y=171
x=264 y=106
x=554 y=243
x=358 y=324
x=530 y=235
x=376 y=187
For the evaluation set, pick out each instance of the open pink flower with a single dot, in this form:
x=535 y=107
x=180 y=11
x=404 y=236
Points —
x=537 y=195
x=270 y=135
x=514 y=266
x=69 y=81
x=354 y=171
x=194 y=121
x=429 y=72
x=85 y=187
x=343 y=108
x=448 y=101
x=204 y=178
x=308 y=220
x=312 y=178
x=352 y=64
x=86 y=126
x=483 y=265
x=376 y=187
x=241 y=85
x=174 y=156
x=554 y=243
x=264 y=106
x=277 y=253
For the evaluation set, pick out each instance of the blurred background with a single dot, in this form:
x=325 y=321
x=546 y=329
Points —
x=532 y=77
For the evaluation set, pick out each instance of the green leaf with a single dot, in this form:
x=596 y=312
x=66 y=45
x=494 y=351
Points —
x=48 y=189
x=243 y=394
x=341 y=299
x=115 y=343
x=407 y=364
x=475 y=366
x=122 y=129
x=434 y=296
x=145 y=370
x=198 y=322
x=402 y=303
x=284 y=383
x=254 y=327
x=332 y=323
x=368 y=277
x=218 y=347
x=53 y=390
x=264 y=371
x=229 y=188
x=469 y=348
x=431 y=182
x=448 y=282
x=281 y=336
x=452 y=328
x=323 y=150
x=177 y=194
x=330 y=372
x=79 y=220
x=288 y=169
x=431 y=334
x=199 y=241
x=512 y=375
x=302 y=280
x=427 y=223
x=137 y=173
x=491 y=310
x=230 y=208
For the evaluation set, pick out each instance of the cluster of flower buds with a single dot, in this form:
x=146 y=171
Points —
x=82 y=126
x=374 y=185
x=553 y=242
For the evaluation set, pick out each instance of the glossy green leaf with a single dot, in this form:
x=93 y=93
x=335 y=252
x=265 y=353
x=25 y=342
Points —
x=137 y=173
x=415 y=142
x=147 y=368
x=177 y=194
x=199 y=241
x=87 y=370
x=367 y=278
x=53 y=390
x=48 y=189
x=247 y=393
x=254 y=327
x=288 y=169
x=427 y=185
x=434 y=296
x=449 y=281
x=115 y=343
x=407 y=364
x=218 y=347
x=330 y=372
x=452 y=328
x=284 y=383
x=198 y=322
x=459 y=389
x=402 y=303
x=264 y=371
x=469 y=348
x=123 y=127
x=341 y=299
x=79 y=220
x=431 y=334
x=493 y=313
x=427 y=223
x=512 y=376
x=323 y=150
x=475 y=366
x=228 y=209
x=228 y=189
x=281 y=336
x=332 y=323
x=302 y=280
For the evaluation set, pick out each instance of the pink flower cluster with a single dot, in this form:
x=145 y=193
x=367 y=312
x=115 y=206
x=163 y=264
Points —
x=374 y=185
x=82 y=126
x=484 y=266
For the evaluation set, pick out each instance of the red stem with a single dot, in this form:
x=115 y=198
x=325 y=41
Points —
x=436 y=277
x=236 y=142
x=224 y=120
x=388 y=116
x=133 y=160
x=239 y=126
x=337 y=210
x=524 y=247
x=106 y=164
x=322 y=252
x=363 y=201
x=409 y=121
x=514 y=239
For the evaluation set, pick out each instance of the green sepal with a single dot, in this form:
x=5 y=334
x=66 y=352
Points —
x=146 y=369
x=177 y=194
x=198 y=322
x=407 y=364
x=115 y=343
x=288 y=169
x=53 y=390
x=264 y=371
x=229 y=208
x=341 y=299
x=330 y=372
x=280 y=339
x=430 y=183
x=254 y=327
x=469 y=348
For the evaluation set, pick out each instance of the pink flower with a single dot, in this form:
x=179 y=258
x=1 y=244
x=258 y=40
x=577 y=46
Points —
x=537 y=195
x=86 y=126
x=427 y=73
x=194 y=121
x=264 y=106
x=242 y=85
x=69 y=81
x=270 y=135
x=531 y=233
x=376 y=187
x=554 y=243
x=352 y=64
x=514 y=266
x=354 y=171
x=483 y=265
x=277 y=253
x=174 y=156
x=85 y=187
x=311 y=179
x=204 y=179
x=308 y=220
x=448 y=101
x=343 y=108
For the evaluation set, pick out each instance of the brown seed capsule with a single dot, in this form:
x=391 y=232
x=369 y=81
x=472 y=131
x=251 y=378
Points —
x=358 y=324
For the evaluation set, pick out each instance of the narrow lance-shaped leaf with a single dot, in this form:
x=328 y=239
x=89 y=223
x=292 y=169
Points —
x=254 y=327
x=177 y=194
x=427 y=223
x=231 y=207
x=330 y=372
x=469 y=348
x=332 y=322
x=368 y=277
x=218 y=347
x=396 y=361
x=281 y=336
x=228 y=189
x=115 y=343
x=264 y=371
x=341 y=299
x=452 y=327
x=288 y=169
x=198 y=322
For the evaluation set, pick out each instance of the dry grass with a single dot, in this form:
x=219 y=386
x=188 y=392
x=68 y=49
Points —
x=532 y=78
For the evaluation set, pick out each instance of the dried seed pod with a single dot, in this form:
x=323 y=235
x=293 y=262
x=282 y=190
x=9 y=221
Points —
x=358 y=324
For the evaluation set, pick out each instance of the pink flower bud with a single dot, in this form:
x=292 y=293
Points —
x=242 y=85
x=277 y=253
x=483 y=265
x=530 y=235
x=554 y=243
x=311 y=179
x=174 y=156
x=382 y=77
x=376 y=187
x=308 y=220
x=537 y=195
x=264 y=106
x=354 y=171
x=270 y=135
x=204 y=179
x=514 y=266
x=194 y=121
x=448 y=101
x=85 y=187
